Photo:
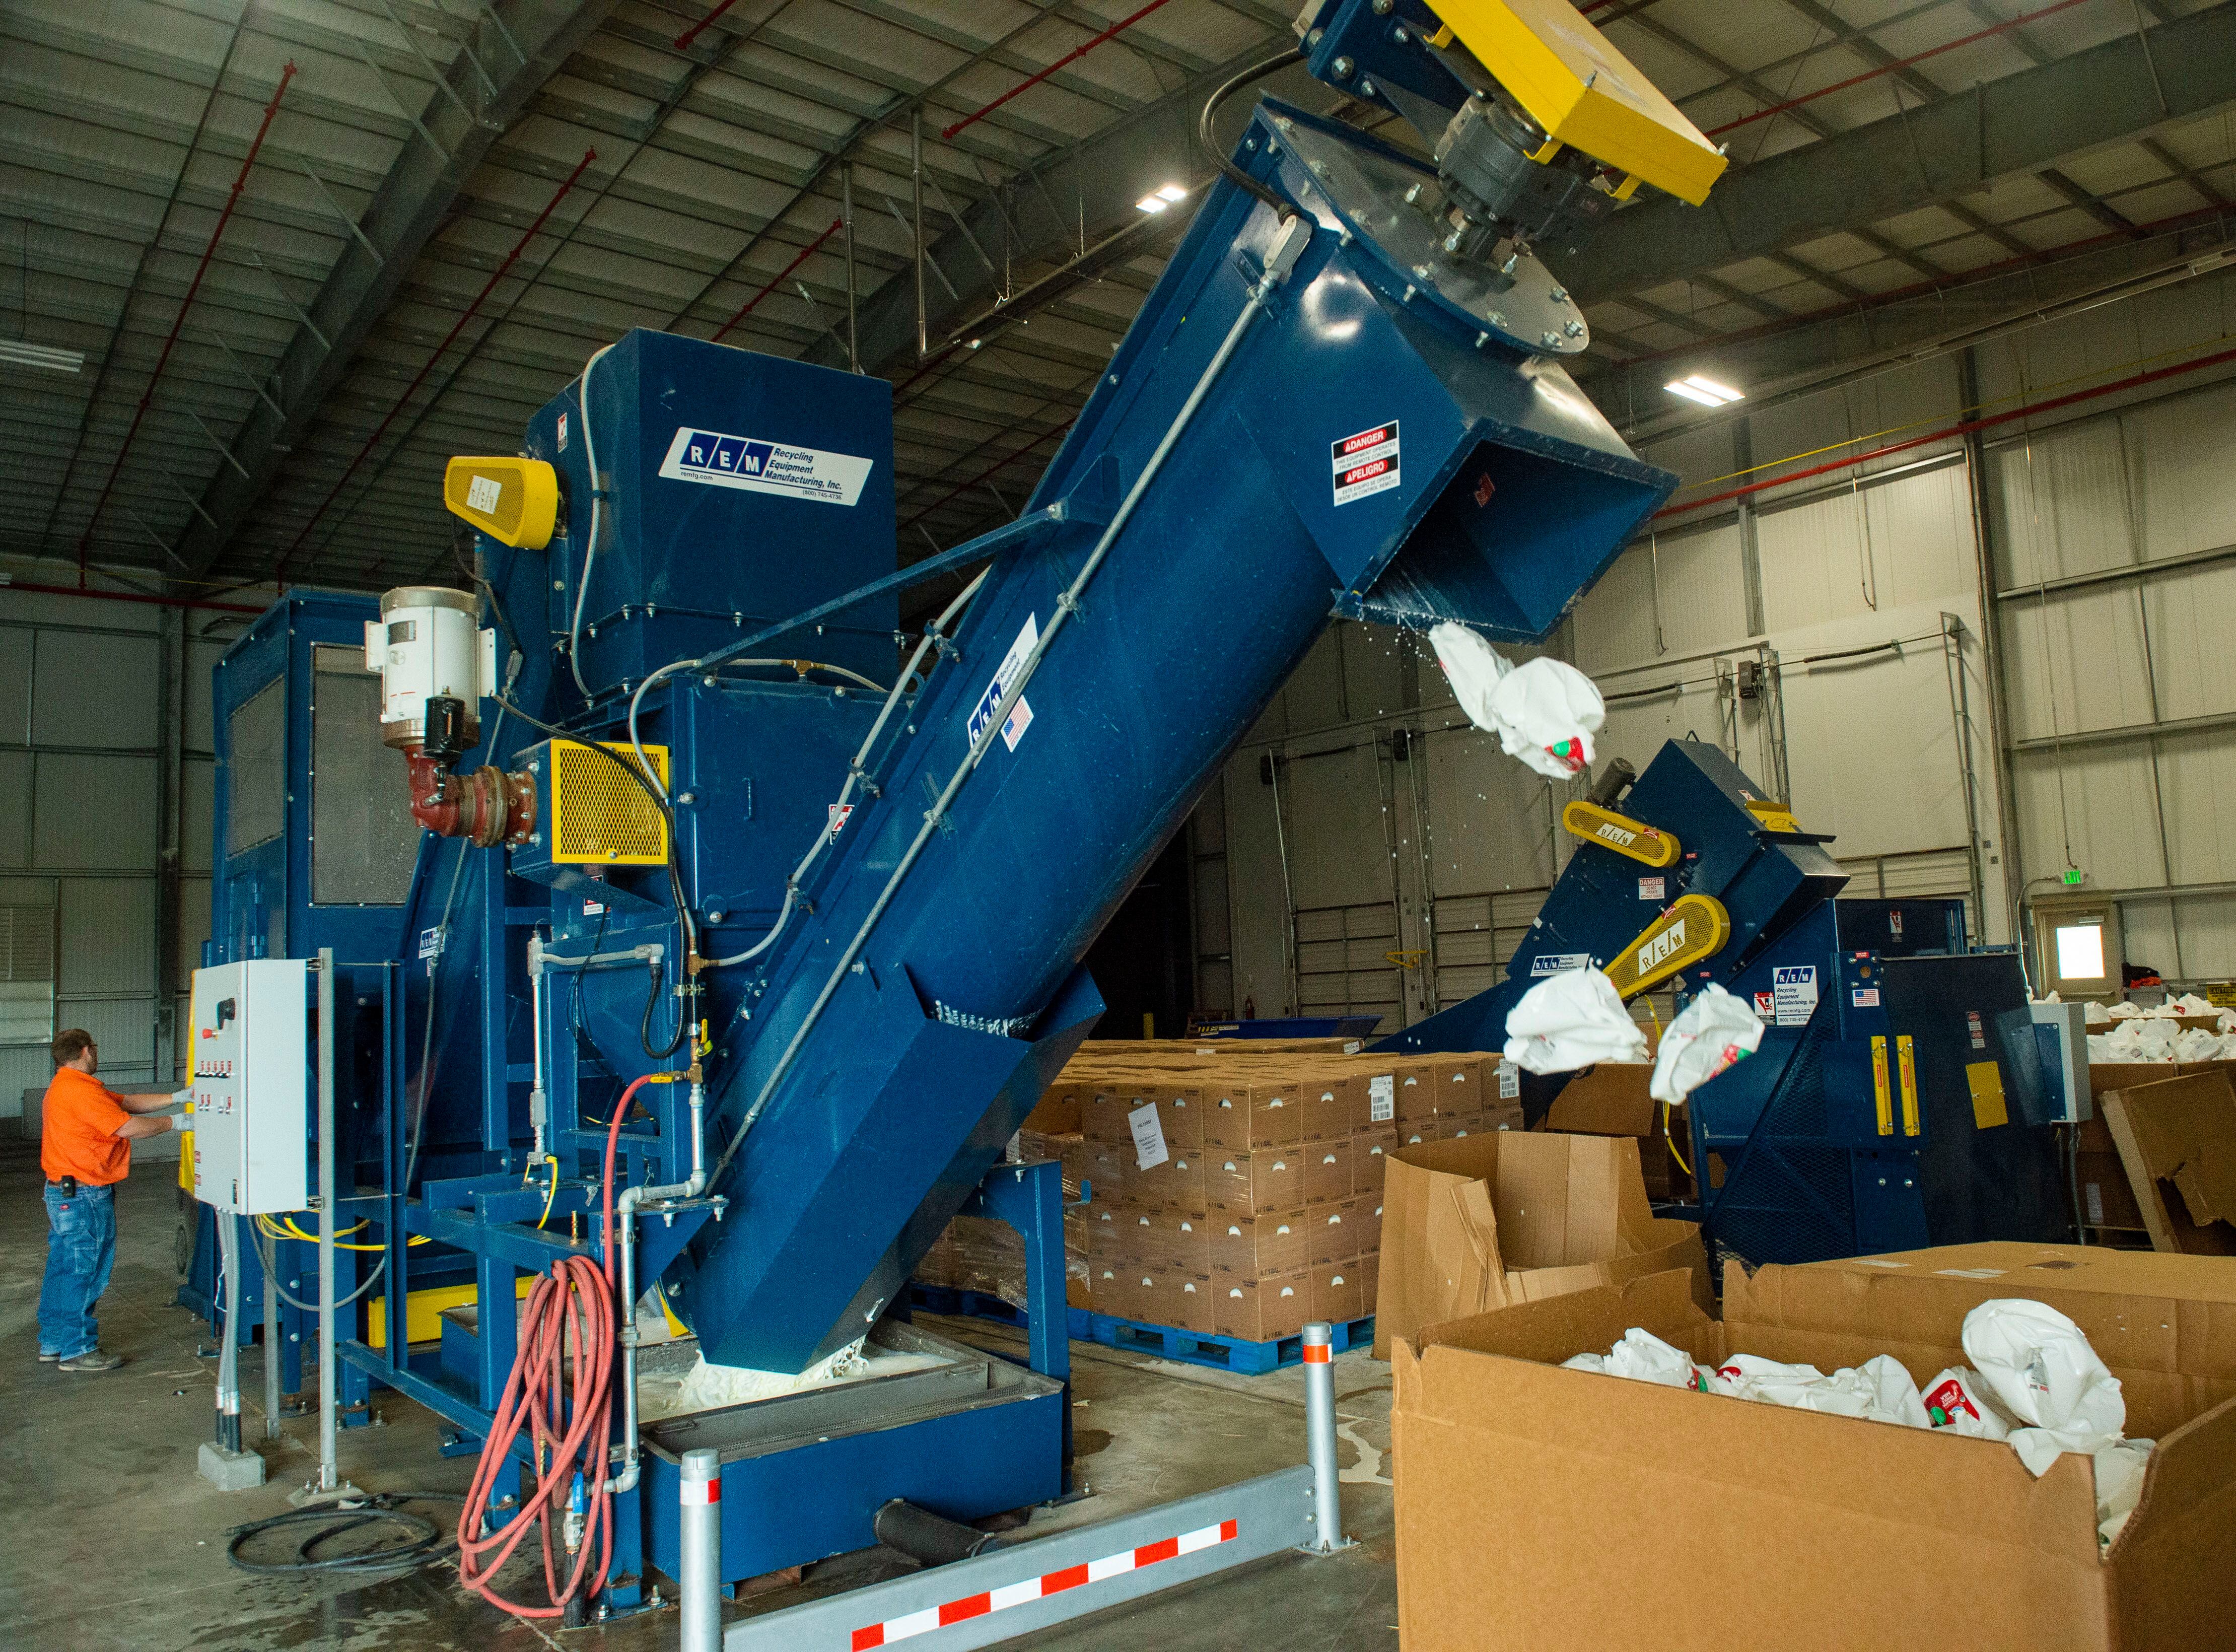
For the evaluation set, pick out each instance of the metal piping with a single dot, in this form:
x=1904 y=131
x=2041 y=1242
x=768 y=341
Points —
x=625 y=1210
x=916 y=181
x=1294 y=235
x=329 y=1365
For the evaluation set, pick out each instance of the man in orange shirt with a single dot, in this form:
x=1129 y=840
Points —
x=85 y=1147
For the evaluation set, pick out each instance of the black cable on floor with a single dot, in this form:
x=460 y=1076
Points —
x=425 y=1540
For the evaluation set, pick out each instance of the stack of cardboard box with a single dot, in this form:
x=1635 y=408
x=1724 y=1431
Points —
x=1239 y=1194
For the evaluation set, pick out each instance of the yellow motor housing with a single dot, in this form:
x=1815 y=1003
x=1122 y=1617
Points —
x=514 y=501
x=1585 y=94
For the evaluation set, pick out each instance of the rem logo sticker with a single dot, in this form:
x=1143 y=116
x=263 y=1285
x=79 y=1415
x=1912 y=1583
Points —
x=1367 y=464
x=1794 y=993
x=1661 y=946
x=1558 y=963
x=1616 y=834
x=1020 y=714
x=756 y=466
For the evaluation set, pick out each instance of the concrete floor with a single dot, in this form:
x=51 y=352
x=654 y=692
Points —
x=115 y=1542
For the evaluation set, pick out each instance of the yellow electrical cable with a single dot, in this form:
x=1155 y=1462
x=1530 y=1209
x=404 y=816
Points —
x=288 y=1229
x=1668 y=1135
x=551 y=1193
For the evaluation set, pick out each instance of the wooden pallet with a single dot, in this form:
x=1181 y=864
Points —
x=1220 y=1353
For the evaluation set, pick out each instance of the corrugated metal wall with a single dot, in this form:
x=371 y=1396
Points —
x=105 y=787
x=2114 y=533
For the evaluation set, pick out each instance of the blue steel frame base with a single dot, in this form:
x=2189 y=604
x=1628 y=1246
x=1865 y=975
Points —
x=976 y=1459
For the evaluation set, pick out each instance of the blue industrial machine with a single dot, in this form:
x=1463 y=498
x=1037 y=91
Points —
x=746 y=928
x=1897 y=1099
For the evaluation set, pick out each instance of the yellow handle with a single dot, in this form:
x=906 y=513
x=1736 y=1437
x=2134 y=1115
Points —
x=1879 y=1086
x=1909 y=1061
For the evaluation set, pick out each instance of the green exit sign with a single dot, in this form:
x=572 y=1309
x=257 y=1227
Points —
x=2072 y=877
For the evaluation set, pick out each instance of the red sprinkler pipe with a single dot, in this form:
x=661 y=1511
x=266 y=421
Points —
x=806 y=252
x=1071 y=57
x=420 y=377
x=2003 y=28
x=683 y=41
x=1962 y=427
x=194 y=286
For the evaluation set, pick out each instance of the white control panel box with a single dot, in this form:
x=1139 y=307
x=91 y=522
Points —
x=2065 y=1060
x=252 y=1084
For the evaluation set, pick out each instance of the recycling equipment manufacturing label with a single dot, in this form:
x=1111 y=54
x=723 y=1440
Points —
x=1020 y=714
x=758 y=466
x=1367 y=464
x=1794 y=993
x=1558 y=963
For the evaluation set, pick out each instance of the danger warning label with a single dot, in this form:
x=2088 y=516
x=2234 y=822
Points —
x=1366 y=464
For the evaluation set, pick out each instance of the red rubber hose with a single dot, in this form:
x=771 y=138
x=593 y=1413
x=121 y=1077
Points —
x=568 y=1335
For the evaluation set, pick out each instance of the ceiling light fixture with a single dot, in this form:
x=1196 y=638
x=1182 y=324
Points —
x=1163 y=198
x=23 y=354
x=1695 y=388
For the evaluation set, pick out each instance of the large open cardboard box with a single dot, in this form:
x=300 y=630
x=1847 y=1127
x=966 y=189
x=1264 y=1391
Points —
x=1485 y=1220
x=1546 y=1509
x=2177 y=1140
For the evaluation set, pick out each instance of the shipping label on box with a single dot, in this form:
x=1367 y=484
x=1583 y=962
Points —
x=1149 y=1148
x=1382 y=1099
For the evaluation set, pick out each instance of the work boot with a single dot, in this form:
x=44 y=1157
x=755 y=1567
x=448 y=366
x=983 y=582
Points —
x=47 y=1358
x=92 y=1360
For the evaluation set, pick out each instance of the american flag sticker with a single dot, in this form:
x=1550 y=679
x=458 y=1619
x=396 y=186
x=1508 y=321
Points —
x=1366 y=464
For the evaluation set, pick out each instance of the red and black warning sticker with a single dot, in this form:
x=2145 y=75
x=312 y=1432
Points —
x=1367 y=464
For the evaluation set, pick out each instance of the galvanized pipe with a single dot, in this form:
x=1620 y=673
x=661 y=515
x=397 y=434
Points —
x=1320 y=1436
x=272 y=1350
x=228 y=1357
x=329 y=1365
x=699 y=1549
x=625 y=1211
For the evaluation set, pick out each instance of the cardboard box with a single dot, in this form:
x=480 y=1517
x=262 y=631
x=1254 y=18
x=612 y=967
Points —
x=1416 y=1101
x=1262 y=1310
x=1177 y=1184
x=1788 y=1529
x=1608 y=1099
x=2177 y=1139
x=1252 y=1183
x=1255 y=1247
x=1337 y=1292
x=1180 y=1112
x=1335 y=1105
x=1246 y=1112
x=1327 y=1169
x=1330 y=1231
x=1180 y=1300
x=1507 y=1216
x=1370 y=1158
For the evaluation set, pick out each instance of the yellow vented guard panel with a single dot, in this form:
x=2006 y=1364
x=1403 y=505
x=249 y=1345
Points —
x=516 y=501
x=1584 y=92
x=1642 y=843
x=599 y=816
x=1694 y=927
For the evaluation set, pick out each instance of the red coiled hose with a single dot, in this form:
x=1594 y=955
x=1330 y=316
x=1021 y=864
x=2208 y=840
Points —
x=567 y=1334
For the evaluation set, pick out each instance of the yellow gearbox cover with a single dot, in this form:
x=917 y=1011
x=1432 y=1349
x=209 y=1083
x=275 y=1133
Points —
x=1584 y=92
x=1649 y=845
x=513 y=500
x=1694 y=927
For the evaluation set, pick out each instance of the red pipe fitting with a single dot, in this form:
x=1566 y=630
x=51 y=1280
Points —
x=488 y=807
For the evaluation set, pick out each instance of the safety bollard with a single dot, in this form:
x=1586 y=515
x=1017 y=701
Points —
x=1319 y=1439
x=699 y=1546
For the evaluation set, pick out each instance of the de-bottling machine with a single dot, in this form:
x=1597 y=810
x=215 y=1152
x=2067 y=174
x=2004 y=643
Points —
x=1901 y=1096
x=742 y=927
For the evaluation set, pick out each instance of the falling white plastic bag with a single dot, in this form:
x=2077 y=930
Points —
x=1571 y=1020
x=2043 y=1371
x=1543 y=711
x=1958 y=1400
x=1710 y=1033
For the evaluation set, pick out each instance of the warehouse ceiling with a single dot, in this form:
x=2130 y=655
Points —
x=308 y=249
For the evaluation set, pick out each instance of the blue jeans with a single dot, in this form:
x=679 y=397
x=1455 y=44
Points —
x=81 y=1250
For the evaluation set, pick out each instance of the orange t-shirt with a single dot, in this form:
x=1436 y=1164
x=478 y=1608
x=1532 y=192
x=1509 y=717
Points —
x=77 y=1134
